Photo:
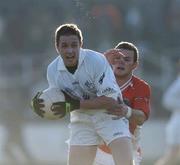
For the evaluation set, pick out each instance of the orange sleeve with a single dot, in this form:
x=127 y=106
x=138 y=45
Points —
x=142 y=99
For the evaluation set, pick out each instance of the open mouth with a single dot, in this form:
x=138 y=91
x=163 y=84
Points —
x=120 y=68
x=70 y=57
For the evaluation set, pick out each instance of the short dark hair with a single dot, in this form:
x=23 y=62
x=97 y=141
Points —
x=67 y=29
x=129 y=46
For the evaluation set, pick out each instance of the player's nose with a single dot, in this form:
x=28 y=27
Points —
x=119 y=60
x=69 y=50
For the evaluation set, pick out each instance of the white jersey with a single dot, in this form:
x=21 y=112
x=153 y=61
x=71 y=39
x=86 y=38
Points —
x=171 y=99
x=93 y=77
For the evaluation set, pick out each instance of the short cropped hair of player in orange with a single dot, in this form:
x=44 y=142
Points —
x=136 y=94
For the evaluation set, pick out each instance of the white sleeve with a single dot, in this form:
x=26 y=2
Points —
x=105 y=81
x=51 y=77
x=171 y=98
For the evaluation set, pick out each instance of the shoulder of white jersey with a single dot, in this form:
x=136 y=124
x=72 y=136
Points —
x=95 y=58
x=53 y=64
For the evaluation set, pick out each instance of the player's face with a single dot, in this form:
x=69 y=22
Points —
x=124 y=64
x=69 y=47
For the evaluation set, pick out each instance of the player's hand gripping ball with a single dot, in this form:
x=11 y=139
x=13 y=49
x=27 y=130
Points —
x=50 y=104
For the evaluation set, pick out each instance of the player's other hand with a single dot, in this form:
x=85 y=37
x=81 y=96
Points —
x=112 y=54
x=119 y=111
x=37 y=104
x=59 y=109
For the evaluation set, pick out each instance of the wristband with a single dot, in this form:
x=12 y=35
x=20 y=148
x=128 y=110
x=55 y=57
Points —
x=129 y=112
x=68 y=106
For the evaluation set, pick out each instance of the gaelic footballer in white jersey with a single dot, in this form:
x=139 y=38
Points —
x=86 y=82
x=91 y=93
x=91 y=79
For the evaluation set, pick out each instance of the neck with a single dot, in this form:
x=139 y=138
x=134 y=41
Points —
x=122 y=80
x=72 y=69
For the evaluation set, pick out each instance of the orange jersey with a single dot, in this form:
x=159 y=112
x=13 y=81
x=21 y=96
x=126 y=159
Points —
x=136 y=94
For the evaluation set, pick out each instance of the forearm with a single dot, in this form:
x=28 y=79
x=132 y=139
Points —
x=101 y=102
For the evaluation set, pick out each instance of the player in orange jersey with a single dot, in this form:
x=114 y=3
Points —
x=136 y=94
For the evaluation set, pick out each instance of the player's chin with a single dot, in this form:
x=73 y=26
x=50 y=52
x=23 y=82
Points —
x=119 y=74
x=71 y=62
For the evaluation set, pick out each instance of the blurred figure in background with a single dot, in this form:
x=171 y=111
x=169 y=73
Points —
x=171 y=100
x=136 y=94
x=14 y=120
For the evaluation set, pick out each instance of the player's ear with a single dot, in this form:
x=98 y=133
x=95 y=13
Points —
x=81 y=44
x=135 y=65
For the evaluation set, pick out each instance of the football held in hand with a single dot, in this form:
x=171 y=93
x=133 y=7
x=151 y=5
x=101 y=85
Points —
x=54 y=103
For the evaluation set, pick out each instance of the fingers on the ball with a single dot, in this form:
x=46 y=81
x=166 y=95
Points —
x=40 y=112
x=41 y=105
x=55 y=110
x=37 y=95
x=40 y=100
x=37 y=101
x=58 y=108
x=59 y=103
x=59 y=114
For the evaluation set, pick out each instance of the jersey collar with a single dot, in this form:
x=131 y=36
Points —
x=125 y=85
x=82 y=55
x=60 y=64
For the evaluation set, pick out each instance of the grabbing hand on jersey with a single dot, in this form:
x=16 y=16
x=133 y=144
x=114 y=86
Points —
x=112 y=55
x=122 y=111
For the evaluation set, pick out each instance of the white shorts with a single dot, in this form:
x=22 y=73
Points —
x=172 y=130
x=95 y=128
x=103 y=158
